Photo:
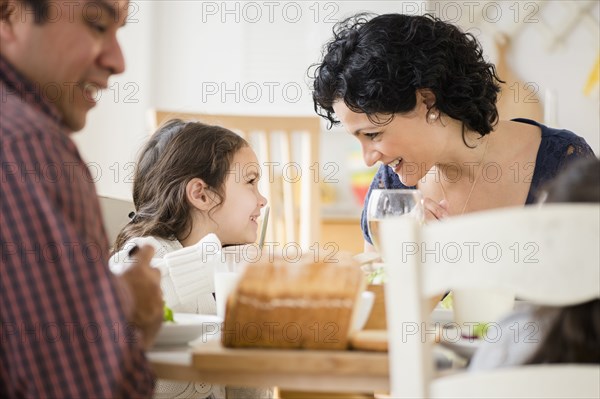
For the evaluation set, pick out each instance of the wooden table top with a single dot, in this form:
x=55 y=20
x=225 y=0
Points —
x=355 y=371
x=325 y=371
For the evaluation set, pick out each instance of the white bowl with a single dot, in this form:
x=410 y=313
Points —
x=363 y=312
x=187 y=327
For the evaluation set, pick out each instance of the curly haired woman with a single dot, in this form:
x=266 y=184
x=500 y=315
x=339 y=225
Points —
x=419 y=96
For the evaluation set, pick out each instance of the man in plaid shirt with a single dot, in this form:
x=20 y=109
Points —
x=69 y=328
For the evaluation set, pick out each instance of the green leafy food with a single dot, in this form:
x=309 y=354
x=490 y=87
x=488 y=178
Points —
x=480 y=329
x=376 y=276
x=447 y=302
x=168 y=314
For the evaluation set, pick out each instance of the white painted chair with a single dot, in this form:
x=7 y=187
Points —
x=545 y=255
x=115 y=214
x=288 y=152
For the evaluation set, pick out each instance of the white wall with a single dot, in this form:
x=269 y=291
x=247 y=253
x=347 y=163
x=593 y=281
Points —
x=540 y=57
x=238 y=57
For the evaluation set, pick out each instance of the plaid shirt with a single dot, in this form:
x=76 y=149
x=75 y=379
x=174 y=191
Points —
x=64 y=332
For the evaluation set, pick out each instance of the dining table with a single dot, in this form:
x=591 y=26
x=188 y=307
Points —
x=356 y=373
x=361 y=371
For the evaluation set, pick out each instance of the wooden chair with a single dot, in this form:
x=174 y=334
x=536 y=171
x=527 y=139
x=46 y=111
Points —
x=288 y=152
x=546 y=255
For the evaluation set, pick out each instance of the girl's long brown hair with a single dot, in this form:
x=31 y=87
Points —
x=176 y=153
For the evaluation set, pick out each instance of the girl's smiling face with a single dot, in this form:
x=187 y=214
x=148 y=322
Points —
x=236 y=219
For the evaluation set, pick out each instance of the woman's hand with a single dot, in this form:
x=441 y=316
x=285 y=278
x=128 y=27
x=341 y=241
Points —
x=435 y=210
x=368 y=247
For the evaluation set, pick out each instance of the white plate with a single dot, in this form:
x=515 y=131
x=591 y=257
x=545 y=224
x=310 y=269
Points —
x=442 y=316
x=465 y=347
x=187 y=327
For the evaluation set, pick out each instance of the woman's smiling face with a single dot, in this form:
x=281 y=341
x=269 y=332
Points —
x=407 y=144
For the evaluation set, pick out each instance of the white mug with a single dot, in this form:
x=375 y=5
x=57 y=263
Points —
x=480 y=306
x=225 y=284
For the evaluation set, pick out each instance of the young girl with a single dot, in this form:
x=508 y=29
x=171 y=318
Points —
x=195 y=189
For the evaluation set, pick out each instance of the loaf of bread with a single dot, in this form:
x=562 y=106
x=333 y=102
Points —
x=304 y=304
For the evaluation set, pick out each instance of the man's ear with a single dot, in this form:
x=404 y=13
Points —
x=199 y=195
x=427 y=97
x=8 y=13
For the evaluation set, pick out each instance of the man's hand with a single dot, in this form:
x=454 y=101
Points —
x=144 y=284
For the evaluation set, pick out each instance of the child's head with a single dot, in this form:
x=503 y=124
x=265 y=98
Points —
x=574 y=336
x=192 y=179
x=579 y=182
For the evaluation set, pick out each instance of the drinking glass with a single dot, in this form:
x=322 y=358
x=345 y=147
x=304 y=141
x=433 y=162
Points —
x=384 y=204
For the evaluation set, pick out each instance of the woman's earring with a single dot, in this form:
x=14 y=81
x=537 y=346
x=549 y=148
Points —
x=432 y=116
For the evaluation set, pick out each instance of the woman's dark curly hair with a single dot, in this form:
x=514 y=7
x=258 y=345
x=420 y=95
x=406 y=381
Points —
x=376 y=65
x=175 y=154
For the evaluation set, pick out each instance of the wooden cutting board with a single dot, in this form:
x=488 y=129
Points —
x=370 y=340
x=212 y=357
x=377 y=340
x=377 y=318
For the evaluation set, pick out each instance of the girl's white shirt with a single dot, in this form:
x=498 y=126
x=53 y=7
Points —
x=187 y=274
x=187 y=281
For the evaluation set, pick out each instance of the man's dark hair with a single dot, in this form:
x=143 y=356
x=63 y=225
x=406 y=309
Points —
x=39 y=9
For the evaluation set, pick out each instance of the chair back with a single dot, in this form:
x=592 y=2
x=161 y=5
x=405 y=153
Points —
x=531 y=381
x=288 y=151
x=115 y=214
x=546 y=255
